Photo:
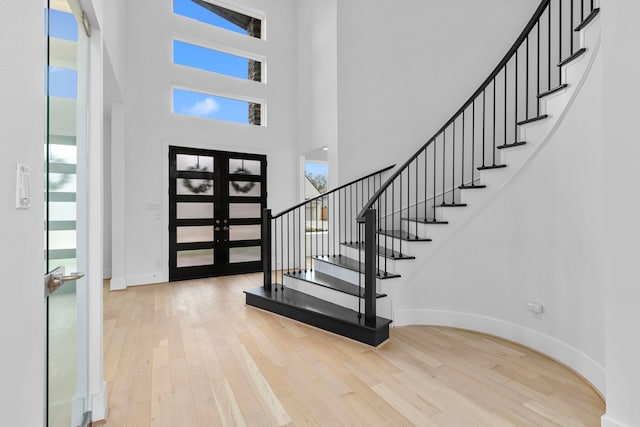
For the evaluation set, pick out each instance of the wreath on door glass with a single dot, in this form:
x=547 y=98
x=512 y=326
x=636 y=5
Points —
x=201 y=186
x=64 y=178
x=247 y=186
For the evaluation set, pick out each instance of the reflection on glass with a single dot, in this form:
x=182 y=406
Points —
x=194 y=187
x=244 y=232
x=194 y=210
x=190 y=162
x=247 y=254
x=62 y=354
x=62 y=239
x=245 y=210
x=244 y=189
x=62 y=182
x=62 y=211
x=246 y=167
x=194 y=234
x=195 y=257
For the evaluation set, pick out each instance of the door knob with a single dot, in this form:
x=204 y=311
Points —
x=216 y=228
x=225 y=228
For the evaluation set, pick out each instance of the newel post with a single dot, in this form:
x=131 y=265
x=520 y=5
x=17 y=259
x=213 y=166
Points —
x=370 y=267
x=266 y=248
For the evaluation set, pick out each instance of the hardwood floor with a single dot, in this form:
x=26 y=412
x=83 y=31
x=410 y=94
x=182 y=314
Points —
x=192 y=354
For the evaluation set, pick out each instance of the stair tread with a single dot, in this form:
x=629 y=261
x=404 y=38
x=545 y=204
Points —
x=513 y=144
x=533 y=119
x=588 y=19
x=488 y=167
x=571 y=58
x=354 y=265
x=422 y=220
x=403 y=235
x=472 y=187
x=385 y=252
x=331 y=282
x=322 y=314
x=451 y=205
x=553 y=90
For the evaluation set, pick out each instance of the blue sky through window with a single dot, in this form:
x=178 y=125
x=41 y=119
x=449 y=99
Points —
x=209 y=60
x=62 y=25
x=210 y=106
x=63 y=82
x=192 y=10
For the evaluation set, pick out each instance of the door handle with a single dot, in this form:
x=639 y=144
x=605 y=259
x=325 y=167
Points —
x=225 y=228
x=216 y=228
x=57 y=278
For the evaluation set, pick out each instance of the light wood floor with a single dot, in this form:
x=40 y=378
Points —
x=192 y=354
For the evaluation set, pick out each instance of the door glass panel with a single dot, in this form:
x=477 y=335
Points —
x=62 y=353
x=188 y=162
x=246 y=254
x=245 y=210
x=195 y=257
x=194 y=234
x=244 y=232
x=244 y=189
x=65 y=219
x=194 y=210
x=194 y=187
x=246 y=167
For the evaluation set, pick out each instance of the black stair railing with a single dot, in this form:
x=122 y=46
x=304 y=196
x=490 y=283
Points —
x=405 y=205
x=317 y=227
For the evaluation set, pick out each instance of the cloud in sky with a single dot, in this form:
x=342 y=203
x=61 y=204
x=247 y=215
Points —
x=204 y=108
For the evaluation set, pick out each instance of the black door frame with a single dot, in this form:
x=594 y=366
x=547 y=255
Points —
x=221 y=222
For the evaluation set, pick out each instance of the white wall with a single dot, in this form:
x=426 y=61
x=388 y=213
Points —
x=151 y=126
x=406 y=67
x=542 y=240
x=317 y=52
x=621 y=151
x=22 y=68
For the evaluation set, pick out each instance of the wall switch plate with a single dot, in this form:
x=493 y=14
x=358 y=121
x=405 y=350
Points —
x=535 y=307
x=23 y=186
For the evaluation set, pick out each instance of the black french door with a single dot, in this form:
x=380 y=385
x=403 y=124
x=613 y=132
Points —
x=216 y=200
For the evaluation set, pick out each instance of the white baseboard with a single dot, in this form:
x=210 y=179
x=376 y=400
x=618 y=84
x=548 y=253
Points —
x=99 y=404
x=552 y=347
x=605 y=421
x=117 y=284
x=145 y=279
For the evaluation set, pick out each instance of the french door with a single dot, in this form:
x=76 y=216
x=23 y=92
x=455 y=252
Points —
x=216 y=200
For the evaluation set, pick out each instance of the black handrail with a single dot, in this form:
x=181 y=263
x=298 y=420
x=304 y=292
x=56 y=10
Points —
x=326 y=193
x=514 y=48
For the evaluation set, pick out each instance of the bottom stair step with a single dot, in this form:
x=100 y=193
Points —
x=319 y=313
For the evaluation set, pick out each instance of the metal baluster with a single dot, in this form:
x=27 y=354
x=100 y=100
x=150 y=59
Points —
x=434 y=143
x=494 y=121
x=527 y=83
x=416 y=218
x=408 y=197
x=560 y=41
x=288 y=244
x=453 y=164
x=463 y=132
x=549 y=48
x=393 y=208
x=473 y=142
x=484 y=119
x=386 y=243
x=281 y=253
x=275 y=251
x=581 y=11
x=538 y=63
x=506 y=67
x=400 y=218
x=425 y=184
x=571 y=27
x=444 y=156
x=515 y=117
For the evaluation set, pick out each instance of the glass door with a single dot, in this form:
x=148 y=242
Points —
x=65 y=222
x=215 y=207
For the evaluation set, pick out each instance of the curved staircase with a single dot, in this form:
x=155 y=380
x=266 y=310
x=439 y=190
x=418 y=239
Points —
x=341 y=271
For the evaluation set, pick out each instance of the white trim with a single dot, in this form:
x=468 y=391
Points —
x=99 y=406
x=118 y=284
x=572 y=357
x=146 y=279
x=608 y=422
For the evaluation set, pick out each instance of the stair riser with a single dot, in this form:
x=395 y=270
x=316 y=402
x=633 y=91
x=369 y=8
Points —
x=342 y=273
x=327 y=294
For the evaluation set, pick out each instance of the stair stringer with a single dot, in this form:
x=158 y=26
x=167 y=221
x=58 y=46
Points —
x=537 y=135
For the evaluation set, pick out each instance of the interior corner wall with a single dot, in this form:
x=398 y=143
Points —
x=22 y=131
x=317 y=60
x=150 y=125
x=405 y=67
x=541 y=239
x=621 y=152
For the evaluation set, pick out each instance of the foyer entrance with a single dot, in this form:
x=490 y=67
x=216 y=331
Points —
x=216 y=200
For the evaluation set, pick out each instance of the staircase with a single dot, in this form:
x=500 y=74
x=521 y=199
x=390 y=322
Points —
x=341 y=272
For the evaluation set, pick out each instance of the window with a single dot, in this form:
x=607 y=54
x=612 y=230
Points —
x=219 y=16
x=215 y=61
x=216 y=107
